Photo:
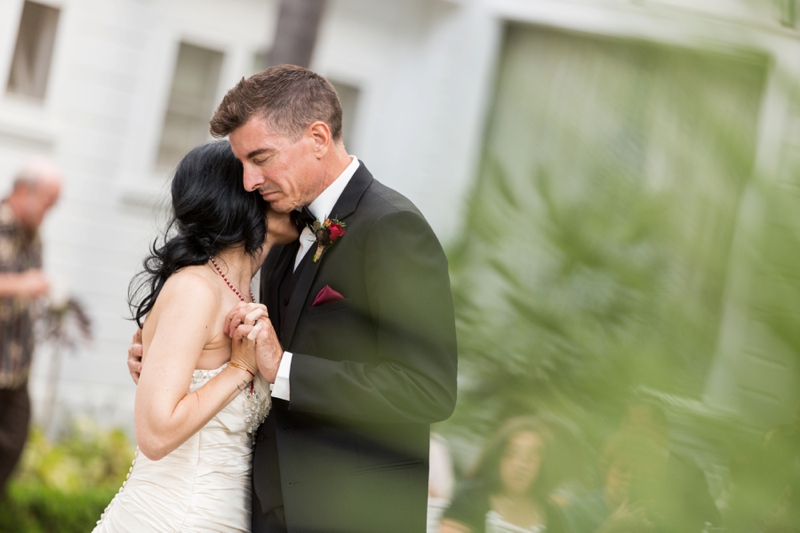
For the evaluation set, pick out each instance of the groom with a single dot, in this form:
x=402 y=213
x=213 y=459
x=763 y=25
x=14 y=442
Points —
x=362 y=348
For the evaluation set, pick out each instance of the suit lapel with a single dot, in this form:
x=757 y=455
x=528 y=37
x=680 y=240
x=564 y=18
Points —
x=271 y=273
x=351 y=195
x=344 y=207
x=299 y=295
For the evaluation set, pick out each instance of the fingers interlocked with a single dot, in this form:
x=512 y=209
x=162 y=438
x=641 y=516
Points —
x=250 y=332
x=247 y=314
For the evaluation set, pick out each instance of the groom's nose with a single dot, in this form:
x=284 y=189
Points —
x=252 y=179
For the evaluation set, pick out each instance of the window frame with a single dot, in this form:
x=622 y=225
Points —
x=40 y=91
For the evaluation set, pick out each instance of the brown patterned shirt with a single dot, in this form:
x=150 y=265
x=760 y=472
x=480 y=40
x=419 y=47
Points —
x=20 y=250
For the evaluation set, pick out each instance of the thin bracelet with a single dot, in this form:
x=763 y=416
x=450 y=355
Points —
x=240 y=366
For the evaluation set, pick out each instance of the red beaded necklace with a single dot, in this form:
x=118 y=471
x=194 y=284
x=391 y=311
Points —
x=234 y=289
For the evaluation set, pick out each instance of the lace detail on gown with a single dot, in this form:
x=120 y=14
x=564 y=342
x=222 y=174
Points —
x=201 y=376
x=204 y=484
x=256 y=406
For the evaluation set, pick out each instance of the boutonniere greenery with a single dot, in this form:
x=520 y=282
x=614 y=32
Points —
x=327 y=232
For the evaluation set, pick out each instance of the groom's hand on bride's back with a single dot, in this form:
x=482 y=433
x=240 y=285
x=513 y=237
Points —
x=135 y=356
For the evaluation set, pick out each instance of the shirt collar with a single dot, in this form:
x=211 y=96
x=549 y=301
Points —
x=321 y=207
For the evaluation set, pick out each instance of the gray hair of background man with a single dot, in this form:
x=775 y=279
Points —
x=37 y=172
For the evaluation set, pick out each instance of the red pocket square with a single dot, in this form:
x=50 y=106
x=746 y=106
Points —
x=326 y=296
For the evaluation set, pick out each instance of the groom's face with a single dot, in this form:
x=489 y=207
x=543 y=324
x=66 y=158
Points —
x=284 y=171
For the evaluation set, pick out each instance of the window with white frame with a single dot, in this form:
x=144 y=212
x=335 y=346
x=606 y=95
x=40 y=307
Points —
x=259 y=61
x=191 y=103
x=33 y=52
x=348 y=97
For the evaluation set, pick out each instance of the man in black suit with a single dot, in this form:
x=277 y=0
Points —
x=361 y=348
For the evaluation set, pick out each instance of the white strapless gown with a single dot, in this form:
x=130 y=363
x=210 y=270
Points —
x=203 y=485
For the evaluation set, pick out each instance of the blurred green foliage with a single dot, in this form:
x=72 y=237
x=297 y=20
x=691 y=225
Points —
x=64 y=486
x=598 y=238
x=621 y=244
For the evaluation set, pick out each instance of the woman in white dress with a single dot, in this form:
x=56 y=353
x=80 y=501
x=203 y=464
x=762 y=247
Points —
x=199 y=399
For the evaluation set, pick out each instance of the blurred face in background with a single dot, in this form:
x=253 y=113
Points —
x=35 y=200
x=521 y=462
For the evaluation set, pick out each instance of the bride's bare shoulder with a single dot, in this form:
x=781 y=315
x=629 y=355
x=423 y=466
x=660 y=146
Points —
x=188 y=302
x=189 y=286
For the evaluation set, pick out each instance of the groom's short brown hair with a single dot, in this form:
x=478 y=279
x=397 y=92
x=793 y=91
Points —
x=288 y=97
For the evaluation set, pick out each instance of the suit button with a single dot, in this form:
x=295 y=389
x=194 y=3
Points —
x=286 y=301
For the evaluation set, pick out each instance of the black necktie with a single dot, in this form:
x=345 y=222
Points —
x=303 y=218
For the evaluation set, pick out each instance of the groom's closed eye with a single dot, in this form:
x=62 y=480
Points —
x=257 y=152
x=263 y=154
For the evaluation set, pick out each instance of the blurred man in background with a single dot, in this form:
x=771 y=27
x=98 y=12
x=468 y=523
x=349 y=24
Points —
x=36 y=190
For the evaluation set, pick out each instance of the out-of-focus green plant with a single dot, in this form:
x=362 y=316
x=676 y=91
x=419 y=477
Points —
x=65 y=485
x=595 y=257
x=41 y=509
x=64 y=324
x=573 y=286
x=621 y=244
x=563 y=331
x=85 y=456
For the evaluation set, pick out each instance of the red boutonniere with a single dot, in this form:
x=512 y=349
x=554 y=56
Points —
x=327 y=233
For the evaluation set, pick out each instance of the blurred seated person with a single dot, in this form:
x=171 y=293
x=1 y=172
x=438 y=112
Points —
x=509 y=490
x=609 y=509
x=764 y=490
x=22 y=281
x=779 y=478
x=671 y=487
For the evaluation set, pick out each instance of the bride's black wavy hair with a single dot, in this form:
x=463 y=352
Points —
x=211 y=211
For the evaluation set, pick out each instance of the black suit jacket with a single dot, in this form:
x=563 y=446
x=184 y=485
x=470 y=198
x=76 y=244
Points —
x=369 y=374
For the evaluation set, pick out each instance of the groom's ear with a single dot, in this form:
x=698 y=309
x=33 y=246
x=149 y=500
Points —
x=321 y=134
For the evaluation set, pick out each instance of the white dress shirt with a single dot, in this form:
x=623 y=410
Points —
x=321 y=209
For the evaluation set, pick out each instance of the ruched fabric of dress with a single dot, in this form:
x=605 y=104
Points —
x=204 y=484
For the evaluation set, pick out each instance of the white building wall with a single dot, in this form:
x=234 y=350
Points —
x=418 y=129
x=101 y=121
x=425 y=70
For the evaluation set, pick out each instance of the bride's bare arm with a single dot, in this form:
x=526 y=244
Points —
x=181 y=323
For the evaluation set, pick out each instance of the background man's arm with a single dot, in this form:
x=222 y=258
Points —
x=28 y=284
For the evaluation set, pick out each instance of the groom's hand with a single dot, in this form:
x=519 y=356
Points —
x=135 y=356
x=268 y=348
x=244 y=314
x=240 y=322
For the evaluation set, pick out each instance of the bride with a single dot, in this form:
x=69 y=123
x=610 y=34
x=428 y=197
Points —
x=200 y=398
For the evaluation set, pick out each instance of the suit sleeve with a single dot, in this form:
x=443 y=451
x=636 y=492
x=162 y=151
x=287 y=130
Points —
x=412 y=378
